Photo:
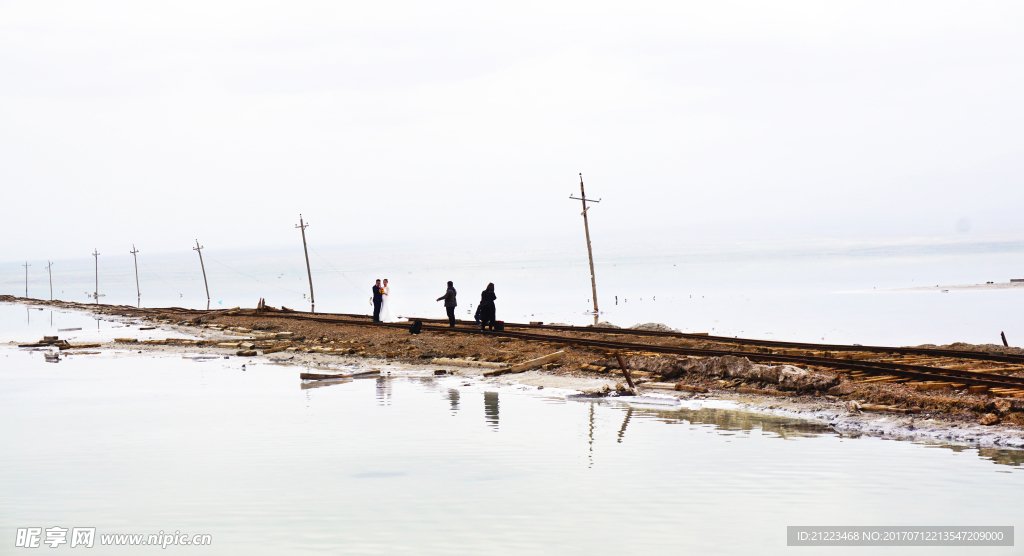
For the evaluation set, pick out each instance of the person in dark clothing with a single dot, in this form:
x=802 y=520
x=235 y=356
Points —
x=378 y=299
x=487 y=309
x=449 y=303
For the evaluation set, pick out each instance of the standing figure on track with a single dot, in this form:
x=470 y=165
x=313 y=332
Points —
x=449 y=303
x=487 y=309
x=387 y=310
x=378 y=299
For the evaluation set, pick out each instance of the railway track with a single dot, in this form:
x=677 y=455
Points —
x=922 y=368
x=843 y=348
x=928 y=377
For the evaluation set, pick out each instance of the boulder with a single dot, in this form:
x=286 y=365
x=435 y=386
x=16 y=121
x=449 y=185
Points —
x=653 y=326
x=802 y=380
x=787 y=377
x=843 y=389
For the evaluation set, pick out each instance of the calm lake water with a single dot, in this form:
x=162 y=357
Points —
x=130 y=443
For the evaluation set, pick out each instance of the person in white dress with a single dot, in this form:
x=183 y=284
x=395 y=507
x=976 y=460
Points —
x=386 y=312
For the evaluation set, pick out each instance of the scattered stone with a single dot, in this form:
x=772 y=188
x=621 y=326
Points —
x=654 y=327
x=988 y=419
x=786 y=377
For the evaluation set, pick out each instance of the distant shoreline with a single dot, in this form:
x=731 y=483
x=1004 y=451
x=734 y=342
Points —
x=962 y=287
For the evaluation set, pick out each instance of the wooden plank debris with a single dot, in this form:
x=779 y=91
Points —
x=467 y=363
x=78 y=346
x=745 y=390
x=679 y=387
x=527 y=365
x=321 y=376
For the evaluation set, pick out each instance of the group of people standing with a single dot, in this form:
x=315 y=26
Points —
x=485 y=313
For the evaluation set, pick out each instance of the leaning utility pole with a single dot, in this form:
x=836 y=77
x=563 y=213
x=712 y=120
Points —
x=26 y=265
x=312 y=302
x=590 y=252
x=96 y=294
x=50 y=272
x=136 y=257
x=199 y=249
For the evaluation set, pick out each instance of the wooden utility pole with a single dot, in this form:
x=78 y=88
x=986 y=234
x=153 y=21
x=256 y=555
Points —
x=26 y=265
x=590 y=252
x=199 y=249
x=96 y=294
x=50 y=272
x=312 y=302
x=135 y=256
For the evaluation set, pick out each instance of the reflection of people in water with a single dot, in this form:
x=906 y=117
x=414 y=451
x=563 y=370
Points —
x=491 y=409
x=383 y=391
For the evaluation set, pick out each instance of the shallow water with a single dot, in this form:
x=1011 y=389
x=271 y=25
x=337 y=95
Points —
x=130 y=443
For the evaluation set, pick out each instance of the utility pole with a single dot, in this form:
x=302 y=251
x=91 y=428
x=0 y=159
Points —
x=26 y=265
x=96 y=294
x=136 y=257
x=48 y=266
x=590 y=252
x=312 y=302
x=199 y=249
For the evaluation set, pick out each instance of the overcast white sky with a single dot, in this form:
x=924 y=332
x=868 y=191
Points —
x=157 y=123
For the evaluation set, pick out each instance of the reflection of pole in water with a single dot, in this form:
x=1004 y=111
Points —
x=491 y=409
x=625 y=423
x=383 y=391
x=453 y=397
x=590 y=456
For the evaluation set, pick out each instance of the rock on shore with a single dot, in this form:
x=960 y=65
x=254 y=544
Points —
x=783 y=377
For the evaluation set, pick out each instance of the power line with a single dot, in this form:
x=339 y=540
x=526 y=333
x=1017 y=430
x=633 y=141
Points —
x=252 y=277
x=158 y=277
x=354 y=285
